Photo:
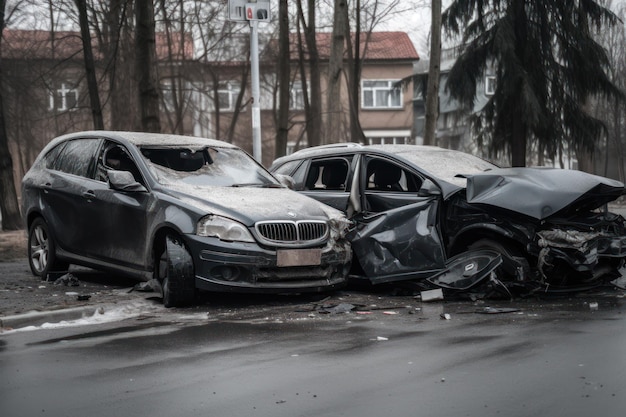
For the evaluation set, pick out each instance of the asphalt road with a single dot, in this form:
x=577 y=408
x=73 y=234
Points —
x=554 y=358
x=301 y=356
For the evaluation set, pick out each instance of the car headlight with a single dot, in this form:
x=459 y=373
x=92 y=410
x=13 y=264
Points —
x=223 y=229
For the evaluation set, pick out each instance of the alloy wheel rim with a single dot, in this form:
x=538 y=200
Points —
x=39 y=249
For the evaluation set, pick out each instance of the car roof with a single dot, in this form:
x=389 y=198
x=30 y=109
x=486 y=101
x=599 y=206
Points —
x=143 y=139
x=350 y=147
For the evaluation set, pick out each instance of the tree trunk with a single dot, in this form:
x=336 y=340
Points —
x=335 y=69
x=90 y=67
x=9 y=207
x=354 y=79
x=245 y=71
x=432 y=88
x=518 y=144
x=282 y=131
x=313 y=105
x=145 y=53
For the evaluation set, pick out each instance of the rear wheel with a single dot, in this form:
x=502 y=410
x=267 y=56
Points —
x=176 y=274
x=42 y=256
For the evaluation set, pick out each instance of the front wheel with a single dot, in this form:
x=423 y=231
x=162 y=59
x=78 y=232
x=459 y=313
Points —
x=176 y=274
x=515 y=266
x=42 y=256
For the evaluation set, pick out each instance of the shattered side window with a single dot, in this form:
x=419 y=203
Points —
x=223 y=167
x=115 y=156
x=77 y=157
x=287 y=168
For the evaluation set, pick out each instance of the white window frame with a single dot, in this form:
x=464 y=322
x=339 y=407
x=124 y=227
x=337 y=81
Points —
x=373 y=90
x=296 y=96
x=490 y=85
x=232 y=90
x=62 y=94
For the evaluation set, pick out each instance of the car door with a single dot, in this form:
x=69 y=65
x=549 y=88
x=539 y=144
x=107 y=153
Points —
x=120 y=218
x=65 y=194
x=396 y=233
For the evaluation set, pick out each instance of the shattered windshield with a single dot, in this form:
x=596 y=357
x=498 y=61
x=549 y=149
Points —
x=209 y=166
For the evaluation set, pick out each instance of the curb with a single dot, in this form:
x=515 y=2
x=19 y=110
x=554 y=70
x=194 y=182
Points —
x=37 y=318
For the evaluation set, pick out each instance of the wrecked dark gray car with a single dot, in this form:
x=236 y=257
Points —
x=416 y=207
x=190 y=213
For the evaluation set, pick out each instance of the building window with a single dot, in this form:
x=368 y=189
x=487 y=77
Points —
x=381 y=94
x=296 y=96
x=490 y=85
x=63 y=98
x=227 y=96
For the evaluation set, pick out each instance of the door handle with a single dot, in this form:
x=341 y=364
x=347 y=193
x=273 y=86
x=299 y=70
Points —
x=89 y=195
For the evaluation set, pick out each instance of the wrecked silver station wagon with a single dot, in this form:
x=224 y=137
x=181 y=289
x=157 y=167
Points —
x=415 y=207
x=191 y=213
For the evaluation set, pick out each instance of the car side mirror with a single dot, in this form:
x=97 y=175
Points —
x=124 y=181
x=286 y=180
x=428 y=189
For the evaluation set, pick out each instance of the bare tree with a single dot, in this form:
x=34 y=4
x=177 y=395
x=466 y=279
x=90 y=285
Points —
x=11 y=219
x=312 y=90
x=335 y=71
x=90 y=67
x=282 y=130
x=145 y=52
x=432 y=88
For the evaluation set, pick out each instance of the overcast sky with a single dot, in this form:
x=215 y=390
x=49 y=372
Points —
x=417 y=24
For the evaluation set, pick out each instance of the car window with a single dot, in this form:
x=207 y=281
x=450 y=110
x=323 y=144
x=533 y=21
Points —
x=327 y=174
x=77 y=157
x=210 y=166
x=117 y=157
x=51 y=160
x=383 y=175
x=287 y=168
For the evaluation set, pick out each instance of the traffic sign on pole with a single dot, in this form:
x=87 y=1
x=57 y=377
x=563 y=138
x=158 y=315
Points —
x=252 y=11
x=237 y=10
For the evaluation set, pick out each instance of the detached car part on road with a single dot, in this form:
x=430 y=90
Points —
x=415 y=207
x=192 y=213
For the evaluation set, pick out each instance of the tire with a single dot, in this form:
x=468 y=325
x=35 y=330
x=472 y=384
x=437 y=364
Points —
x=176 y=274
x=515 y=266
x=42 y=257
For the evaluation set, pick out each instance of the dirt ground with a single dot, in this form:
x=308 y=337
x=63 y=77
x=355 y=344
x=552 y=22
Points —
x=12 y=245
x=21 y=291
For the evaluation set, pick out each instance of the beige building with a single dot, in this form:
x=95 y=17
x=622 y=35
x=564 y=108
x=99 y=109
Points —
x=46 y=95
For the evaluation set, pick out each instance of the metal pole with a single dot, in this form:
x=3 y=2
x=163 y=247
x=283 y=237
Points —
x=256 y=92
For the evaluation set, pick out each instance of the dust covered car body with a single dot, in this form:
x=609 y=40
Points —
x=189 y=212
x=547 y=224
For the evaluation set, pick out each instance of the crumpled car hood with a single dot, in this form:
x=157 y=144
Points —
x=541 y=192
x=251 y=204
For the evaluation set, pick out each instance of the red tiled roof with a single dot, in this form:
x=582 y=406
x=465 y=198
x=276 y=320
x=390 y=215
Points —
x=383 y=46
x=37 y=44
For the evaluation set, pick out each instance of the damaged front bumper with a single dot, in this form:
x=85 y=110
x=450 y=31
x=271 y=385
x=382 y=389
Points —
x=247 y=267
x=589 y=253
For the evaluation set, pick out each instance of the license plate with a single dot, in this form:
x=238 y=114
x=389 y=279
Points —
x=299 y=257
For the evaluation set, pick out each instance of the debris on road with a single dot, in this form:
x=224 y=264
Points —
x=69 y=280
x=432 y=295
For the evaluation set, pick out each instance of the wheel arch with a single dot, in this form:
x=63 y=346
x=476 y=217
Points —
x=470 y=235
x=159 y=244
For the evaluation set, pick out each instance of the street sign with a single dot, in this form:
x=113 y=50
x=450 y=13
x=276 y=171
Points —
x=246 y=10
x=237 y=10
x=258 y=11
